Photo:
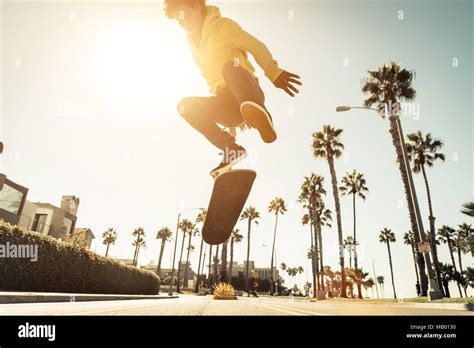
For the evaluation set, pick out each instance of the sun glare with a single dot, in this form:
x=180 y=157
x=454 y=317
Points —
x=139 y=65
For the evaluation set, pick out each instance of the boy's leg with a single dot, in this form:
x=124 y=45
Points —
x=248 y=94
x=205 y=113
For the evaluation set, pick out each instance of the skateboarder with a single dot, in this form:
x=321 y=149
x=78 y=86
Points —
x=220 y=47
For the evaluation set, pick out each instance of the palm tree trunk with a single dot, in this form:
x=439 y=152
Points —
x=215 y=276
x=224 y=262
x=320 y=241
x=411 y=209
x=248 y=255
x=355 y=238
x=273 y=252
x=199 y=266
x=434 y=249
x=460 y=267
x=107 y=250
x=231 y=258
x=210 y=262
x=450 y=246
x=391 y=269
x=158 y=268
x=138 y=251
x=135 y=255
x=414 y=262
x=180 y=259
x=350 y=256
x=335 y=193
x=203 y=261
x=313 y=267
x=315 y=222
x=185 y=283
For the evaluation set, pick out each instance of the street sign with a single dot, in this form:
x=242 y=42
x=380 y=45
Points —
x=424 y=247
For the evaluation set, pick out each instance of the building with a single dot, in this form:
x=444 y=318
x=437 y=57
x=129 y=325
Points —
x=263 y=272
x=49 y=219
x=128 y=262
x=86 y=234
x=12 y=200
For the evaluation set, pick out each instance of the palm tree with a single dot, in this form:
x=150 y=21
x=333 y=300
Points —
x=251 y=215
x=354 y=183
x=448 y=274
x=311 y=192
x=305 y=220
x=110 y=237
x=209 y=266
x=138 y=243
x=423 y=152
x=235 y=238
x=349 y=245
x=387 y=237
x=224 y=277
x=184 y=226
x=277 y=206
x=369 y=283
x=327 y=145
x=460 y=241
x=139 y=235
x=200 y=219
x=409 y=239
x=357 y=276
x=387 y=87
x=191 y=232
x=300 y=271
x=446 y=235
x=215 y=263
x=165 y=235
x=324 y=217
x=381 y=281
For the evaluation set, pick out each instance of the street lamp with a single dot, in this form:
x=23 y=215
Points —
x=375 y=279
x=170 y=292
x=434 y=292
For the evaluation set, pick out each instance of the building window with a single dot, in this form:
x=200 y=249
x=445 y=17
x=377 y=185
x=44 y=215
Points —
x=10 y=199
x=67 y=226
x=39 y=223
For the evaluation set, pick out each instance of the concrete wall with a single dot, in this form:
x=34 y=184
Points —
x=28 y=215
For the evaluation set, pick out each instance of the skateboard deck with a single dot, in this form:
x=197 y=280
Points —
x=231 y=190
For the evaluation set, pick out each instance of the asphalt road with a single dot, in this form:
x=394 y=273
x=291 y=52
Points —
x=205 y=305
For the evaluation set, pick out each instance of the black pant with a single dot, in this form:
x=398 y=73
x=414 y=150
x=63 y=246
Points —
x=205 y=113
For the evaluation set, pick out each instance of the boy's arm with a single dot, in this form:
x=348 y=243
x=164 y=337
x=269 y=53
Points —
x=233 y=34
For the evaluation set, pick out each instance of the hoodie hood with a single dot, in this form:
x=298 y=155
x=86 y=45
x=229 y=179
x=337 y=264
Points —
x=213 y=14
x=223 y=40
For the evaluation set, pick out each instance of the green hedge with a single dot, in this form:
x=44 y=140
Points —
x=63 y=267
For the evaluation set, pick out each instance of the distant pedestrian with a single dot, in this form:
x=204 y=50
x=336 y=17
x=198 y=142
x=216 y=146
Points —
x=418 y=289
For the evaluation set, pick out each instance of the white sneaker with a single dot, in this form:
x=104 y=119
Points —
x=259 y=118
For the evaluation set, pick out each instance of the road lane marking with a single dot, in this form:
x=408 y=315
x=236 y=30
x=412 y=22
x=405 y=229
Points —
x=291 y=311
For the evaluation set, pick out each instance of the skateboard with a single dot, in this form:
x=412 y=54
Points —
x=231 y=190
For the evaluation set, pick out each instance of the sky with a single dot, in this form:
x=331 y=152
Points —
x=89 y=93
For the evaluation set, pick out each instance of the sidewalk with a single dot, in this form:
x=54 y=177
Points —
x=36 y=297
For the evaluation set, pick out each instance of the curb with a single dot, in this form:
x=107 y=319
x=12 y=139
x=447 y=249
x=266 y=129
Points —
x=448 y=306
x=452 y=306
x=37 y=297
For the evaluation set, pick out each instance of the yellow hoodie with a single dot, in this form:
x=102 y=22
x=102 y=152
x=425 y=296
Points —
x=223 y=40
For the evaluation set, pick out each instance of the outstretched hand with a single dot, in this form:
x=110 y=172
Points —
x=286 y=82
